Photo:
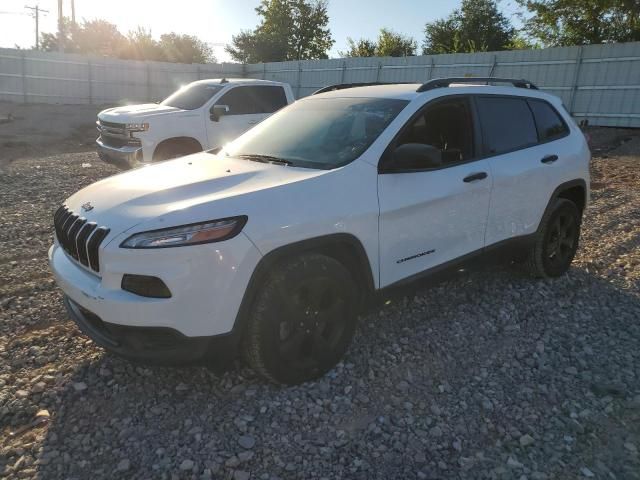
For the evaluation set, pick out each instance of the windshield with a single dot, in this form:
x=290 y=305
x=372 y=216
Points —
x=192 y=96
x=318 y=132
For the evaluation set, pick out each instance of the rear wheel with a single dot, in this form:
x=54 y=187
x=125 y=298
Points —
x=557 y=241
x=302 y=320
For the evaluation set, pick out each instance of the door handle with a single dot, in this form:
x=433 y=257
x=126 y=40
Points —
x=474 y=177
x=549 y=159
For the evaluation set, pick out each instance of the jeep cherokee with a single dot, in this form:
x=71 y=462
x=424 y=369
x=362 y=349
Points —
x=269 y=246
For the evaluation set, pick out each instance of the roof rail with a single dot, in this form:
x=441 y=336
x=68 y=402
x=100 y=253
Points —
x=342 y=86
x=446 y=82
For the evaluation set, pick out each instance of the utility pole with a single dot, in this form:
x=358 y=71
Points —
x=73 y=12
x=60 y=28
x=36 y=14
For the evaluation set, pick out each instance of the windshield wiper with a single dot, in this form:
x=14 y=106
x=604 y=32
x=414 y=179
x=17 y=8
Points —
x=264 y=158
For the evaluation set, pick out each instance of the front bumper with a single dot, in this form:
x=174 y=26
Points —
x=125 y=157
x=151 y=345
x=198 y=322
x=207 y=284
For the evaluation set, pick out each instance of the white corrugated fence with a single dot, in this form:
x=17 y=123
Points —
x=600 y=83
x=37 y=77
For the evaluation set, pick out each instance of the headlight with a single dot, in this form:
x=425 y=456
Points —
x=137 y=127
x=194 y=234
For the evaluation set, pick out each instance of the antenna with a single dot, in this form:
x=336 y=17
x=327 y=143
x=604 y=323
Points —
x=36 y=15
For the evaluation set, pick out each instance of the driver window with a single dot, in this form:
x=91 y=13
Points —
x=447 y=126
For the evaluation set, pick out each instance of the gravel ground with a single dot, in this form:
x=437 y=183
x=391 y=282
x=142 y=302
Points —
x=488 y=375
x=34 y=130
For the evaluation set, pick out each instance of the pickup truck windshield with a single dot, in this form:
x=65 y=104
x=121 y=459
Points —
x=322 y=133
x=191 y=96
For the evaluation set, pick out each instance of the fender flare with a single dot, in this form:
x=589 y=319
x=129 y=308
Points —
x=557 y=193
x=345 y=247
x=185 y=138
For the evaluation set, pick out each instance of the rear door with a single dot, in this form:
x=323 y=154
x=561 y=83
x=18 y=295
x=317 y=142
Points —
x=522 y=162
x=430 y=217
x=248 y=106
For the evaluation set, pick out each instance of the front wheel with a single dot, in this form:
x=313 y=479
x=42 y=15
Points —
x=556 y=241
x=302 y=320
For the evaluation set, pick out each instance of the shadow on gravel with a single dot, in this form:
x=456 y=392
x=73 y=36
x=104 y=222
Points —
x=442 y=381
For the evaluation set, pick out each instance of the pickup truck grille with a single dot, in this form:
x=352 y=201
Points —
x=111 y=124
x=116 y=134
x=79 y=238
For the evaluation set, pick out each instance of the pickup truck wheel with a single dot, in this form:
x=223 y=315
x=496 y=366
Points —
x=556 y=242
x=302 y=320
x=176 y=149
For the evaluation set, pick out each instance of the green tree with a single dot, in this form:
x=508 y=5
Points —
x=388 y=44
x=581 y=22
x=521 y=42
x=142 y=46
x=250 y=46
x=97 y=37
x=49 y=41
x=289 y=30
x=478 y=26
x=359 y=48
x=185 y=49
x=391 y=44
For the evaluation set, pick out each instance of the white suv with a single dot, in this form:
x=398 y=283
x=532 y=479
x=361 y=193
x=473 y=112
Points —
x=200 y=116
x=270 y=246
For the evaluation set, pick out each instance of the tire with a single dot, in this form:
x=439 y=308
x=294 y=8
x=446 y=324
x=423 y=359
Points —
x=302 y=319
x=174 y=149
x=556 y=242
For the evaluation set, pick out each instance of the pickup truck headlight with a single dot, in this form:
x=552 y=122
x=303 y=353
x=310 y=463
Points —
x=193 y=234
x=137 y=127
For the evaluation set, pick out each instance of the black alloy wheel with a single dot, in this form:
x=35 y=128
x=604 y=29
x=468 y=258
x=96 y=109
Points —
x=302 y=320
x=557 y=240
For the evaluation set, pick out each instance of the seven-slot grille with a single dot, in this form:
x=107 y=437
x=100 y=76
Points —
x=79 y=238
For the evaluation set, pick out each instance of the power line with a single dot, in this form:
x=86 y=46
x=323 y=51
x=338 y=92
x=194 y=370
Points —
x=36 y=15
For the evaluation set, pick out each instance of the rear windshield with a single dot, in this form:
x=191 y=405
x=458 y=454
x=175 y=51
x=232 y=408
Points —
x=191 y=96
x=319 y=133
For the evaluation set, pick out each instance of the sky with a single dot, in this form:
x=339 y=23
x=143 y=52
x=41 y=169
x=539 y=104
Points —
x=215 y=21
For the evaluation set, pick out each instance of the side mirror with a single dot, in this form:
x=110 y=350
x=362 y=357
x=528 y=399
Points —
x=218 y=111
x=415 y=156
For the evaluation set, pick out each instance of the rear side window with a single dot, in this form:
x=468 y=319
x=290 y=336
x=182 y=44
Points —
x=271 y=98
x=254 y=100
x=507 y=124
x=550 y=124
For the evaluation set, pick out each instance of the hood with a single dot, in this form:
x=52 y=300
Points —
x=135 y=112
x=181 y=190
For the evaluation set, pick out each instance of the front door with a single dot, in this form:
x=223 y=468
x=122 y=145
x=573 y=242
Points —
x=247 y=106
x=430 y=217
